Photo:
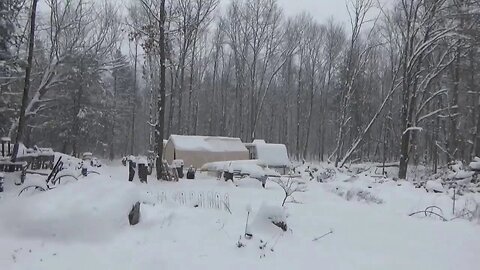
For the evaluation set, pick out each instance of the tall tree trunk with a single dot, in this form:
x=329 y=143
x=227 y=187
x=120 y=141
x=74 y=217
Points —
x=180 y=94
x=171 y=111
x=405 y=124
x=323 y=116
x=159 y=128
x=310 y=111
x=77 y=107
x=151 y=106
x=214 y=81
x=26 y=88
x=475 y=104
x=190 y=88
x=299 y=88
x=114 y=115
x=134 y=100
x=453 y=141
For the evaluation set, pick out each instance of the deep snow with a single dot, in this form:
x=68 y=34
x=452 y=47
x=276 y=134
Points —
x=84 y=225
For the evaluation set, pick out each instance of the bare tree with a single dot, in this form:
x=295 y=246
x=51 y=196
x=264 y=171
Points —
x=156 y=40
x=26 y=88
x=290 y=186
x=422 y=29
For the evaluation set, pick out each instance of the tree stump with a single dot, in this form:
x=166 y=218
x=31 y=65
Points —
x=134 y=215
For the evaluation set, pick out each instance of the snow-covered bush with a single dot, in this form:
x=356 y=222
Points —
x=269 y=216
x=355 y=194
x=325 y=174
x=475 y=164
x=470 y=211
x=434 y=186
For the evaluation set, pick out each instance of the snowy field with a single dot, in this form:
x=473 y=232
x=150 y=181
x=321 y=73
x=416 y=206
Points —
x=84 y=225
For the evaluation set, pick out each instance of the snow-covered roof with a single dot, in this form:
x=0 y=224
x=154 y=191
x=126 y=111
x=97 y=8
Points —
x=207 y=144
x=272 y=154
x=6 y=139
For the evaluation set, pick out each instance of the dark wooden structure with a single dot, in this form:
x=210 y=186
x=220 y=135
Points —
x=33 y=159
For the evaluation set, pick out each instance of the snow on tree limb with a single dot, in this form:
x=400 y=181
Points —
x=433 y=113
x=412 y=129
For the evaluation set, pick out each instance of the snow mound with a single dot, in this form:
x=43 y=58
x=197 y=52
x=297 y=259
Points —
x=68 y=161
x=88 y=210
x=461 y=174
x=433 y=186
x=475 y=164
x=266 y=216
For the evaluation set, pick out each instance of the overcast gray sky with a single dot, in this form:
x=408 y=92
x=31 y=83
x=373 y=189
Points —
x=319 y=9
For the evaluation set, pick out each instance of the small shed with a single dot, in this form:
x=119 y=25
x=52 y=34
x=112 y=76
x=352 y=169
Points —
x=275 y=156
x=198 y=150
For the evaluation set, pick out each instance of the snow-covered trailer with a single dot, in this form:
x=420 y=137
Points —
x=198 y=150
x=275 y=156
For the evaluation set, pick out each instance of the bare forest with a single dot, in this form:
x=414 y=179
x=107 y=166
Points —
x=399 y=83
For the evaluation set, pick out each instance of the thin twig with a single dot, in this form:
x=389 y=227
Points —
x=320 y=237
x=428 y=211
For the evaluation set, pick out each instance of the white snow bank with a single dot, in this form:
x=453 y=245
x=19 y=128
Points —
x=366 y=236
x=88 y=210
x=432 y=186
x=475 y=164
x=457 y=166
x=461 y=175
x=68 y=161
x=266 y=215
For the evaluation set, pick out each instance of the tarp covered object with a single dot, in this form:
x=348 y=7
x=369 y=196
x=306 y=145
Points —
x=197 y=150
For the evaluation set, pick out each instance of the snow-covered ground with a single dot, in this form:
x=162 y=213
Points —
x=84 y=225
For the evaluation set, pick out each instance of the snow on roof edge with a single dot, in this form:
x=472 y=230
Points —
x=208 y=143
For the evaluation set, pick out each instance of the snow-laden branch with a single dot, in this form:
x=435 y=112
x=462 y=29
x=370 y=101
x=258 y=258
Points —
x=426 y=45
x=365 y=131
x=420 y=119
x=152 y=124
x=50 y=78
x=412 y=129
x=428 y=100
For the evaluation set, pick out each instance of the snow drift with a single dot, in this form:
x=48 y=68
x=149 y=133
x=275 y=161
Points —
x=87 y=210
